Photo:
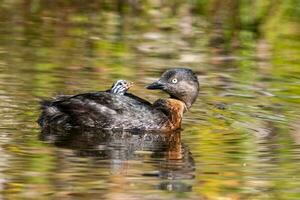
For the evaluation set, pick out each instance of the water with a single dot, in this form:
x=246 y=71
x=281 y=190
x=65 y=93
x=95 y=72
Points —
x=240 y=140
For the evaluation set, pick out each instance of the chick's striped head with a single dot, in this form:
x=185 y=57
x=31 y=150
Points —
x=121 y=87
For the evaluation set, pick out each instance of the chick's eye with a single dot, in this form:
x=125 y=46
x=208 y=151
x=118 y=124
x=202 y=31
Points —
x=174 y=80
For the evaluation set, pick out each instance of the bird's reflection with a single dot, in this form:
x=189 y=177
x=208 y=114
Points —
x=172 y=160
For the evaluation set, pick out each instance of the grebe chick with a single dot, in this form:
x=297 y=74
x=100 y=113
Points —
x=120 y=87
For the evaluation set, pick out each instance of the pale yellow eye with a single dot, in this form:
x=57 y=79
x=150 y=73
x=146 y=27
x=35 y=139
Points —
x=174 y=80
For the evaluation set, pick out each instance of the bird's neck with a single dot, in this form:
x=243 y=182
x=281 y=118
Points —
x=174 y=110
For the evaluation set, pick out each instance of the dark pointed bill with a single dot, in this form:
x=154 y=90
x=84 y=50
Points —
x=157 y=85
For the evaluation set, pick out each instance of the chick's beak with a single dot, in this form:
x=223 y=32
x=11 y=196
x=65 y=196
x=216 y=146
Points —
x=130 y=84
x=157 y=85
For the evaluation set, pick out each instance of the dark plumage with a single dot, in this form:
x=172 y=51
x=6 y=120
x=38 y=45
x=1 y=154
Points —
x=106 y=110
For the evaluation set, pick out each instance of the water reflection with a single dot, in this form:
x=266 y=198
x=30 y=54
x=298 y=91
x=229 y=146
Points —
x=172 y=161
x=243 y=131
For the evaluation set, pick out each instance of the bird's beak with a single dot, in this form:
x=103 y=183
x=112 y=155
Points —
x=130 y=84
x=157 y=85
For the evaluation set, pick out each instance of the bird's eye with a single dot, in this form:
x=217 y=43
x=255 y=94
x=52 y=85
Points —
x=174 y=80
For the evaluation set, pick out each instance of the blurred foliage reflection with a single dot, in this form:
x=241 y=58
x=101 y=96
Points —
x=240 y=140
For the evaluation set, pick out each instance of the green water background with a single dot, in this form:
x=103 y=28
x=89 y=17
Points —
x=243 y=132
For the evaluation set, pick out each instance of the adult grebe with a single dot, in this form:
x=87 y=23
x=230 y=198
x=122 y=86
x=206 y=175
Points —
x=117 y=109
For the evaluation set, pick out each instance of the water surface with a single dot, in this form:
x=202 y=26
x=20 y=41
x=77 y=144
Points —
x=240 y=140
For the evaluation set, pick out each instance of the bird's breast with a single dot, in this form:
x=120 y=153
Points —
x=174 y=109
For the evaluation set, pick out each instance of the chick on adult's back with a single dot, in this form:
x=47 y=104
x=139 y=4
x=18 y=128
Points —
x=109 y=110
